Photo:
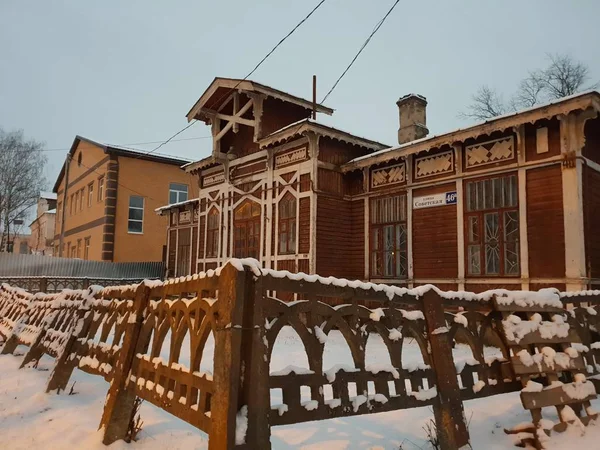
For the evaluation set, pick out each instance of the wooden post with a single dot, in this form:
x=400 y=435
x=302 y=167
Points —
x=63 y=368
x=227 y=365
x=448 y=409
x=120 y=399
x=255 y=389
x=43 y=284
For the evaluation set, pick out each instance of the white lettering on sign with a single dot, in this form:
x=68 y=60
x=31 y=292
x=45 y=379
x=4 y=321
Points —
x=430 y=201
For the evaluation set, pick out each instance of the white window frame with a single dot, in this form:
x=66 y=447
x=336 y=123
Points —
x=90 y=201
x=101 y=181
x=136 y=220
x=178 y=192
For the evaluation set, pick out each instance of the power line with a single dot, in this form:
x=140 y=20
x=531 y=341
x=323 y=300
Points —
x=133 y=143
x=379 y=24
x=250 y=73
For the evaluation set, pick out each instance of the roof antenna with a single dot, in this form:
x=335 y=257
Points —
x=314 y=102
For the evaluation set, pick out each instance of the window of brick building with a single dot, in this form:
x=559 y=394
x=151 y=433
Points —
x=86 y=248
x=100 y=189
x=246 y=228
x=135 y=223
x=81 y=199
x=90 y=194
x=78 y=248
x=177 y=193
x=388 y=237
x=287 y=225
x=212 y=233
x=492 y=226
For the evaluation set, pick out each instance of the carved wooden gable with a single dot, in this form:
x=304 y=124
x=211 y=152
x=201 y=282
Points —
x=386 y=176
x=427 y=166
x=291 y=157
x=497 y=150
x=211 y=180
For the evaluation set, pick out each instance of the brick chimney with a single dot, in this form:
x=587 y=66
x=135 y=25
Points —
x=413 y=118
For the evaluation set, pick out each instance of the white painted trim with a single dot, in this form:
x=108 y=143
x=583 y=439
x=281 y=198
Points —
x=460 y=231
x=367 y=237
x=197 y=240
x=297 y=220
x=226 y=234
x=169 y=229
x=572 y=205
x=409 y=221
x=205 y=235
x=269 y=214
x=523 y=241
x=522 y=193
x=591 y=164
x=190 y=270
x=460 y=215
x=253 y=157
x=176 y=251
x=468 y=175
x=573 y=220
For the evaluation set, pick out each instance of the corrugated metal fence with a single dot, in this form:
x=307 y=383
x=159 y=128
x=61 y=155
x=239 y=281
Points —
x=12 y=265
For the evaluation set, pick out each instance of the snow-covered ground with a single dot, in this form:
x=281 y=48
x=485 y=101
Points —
x=29 y=418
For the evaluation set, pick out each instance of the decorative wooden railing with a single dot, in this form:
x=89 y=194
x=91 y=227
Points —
x=133 y=337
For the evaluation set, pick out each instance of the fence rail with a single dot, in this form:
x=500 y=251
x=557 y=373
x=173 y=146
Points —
x=134 y=335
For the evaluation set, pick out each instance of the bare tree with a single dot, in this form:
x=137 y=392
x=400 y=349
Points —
x=529 y=94
x=21 y=180
x=486 y=103
x=562 y=77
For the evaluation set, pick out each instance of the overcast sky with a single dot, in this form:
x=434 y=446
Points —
x=126 y=72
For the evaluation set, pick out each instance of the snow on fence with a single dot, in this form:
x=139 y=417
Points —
x=133 y=336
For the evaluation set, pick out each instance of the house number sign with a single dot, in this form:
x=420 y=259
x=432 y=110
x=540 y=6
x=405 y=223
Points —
x=430 y=201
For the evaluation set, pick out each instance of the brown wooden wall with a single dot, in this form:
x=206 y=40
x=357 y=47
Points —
x=545 y=222
x=357 y=240
x=172 y=252
x=330 y=181
x=553 y=126
x=333 y=236
x=277 y=114
x=194 y=248
x=242 y=142
x=336 y=152
x=202 y=220
x=481 y=287
x=591 y=148
x=591 y=211
x=304 y=225
x=435 y=241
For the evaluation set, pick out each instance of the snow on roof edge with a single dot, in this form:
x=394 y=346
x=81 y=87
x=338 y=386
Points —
x=48 y=195
x=310 y=121
x=478 y=124
x=172 y=205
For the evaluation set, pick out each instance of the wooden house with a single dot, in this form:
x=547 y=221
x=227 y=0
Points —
x=510 y=203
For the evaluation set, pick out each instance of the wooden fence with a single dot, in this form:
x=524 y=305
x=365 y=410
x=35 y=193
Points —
x=120 y=332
